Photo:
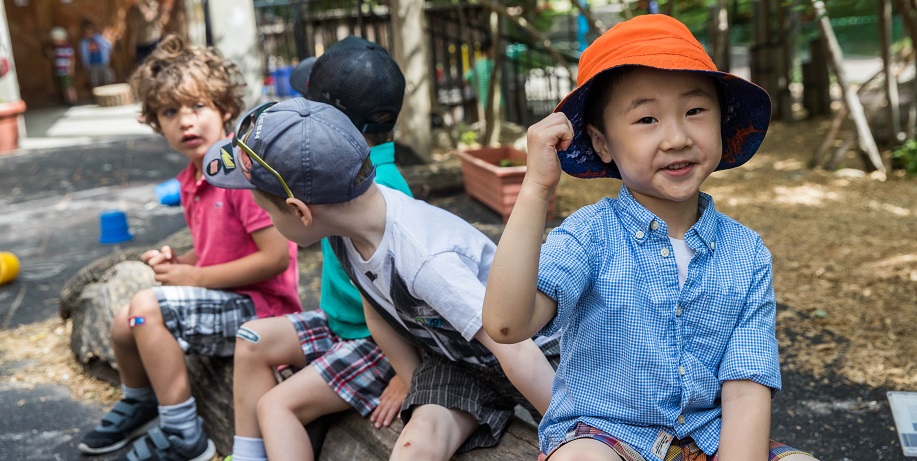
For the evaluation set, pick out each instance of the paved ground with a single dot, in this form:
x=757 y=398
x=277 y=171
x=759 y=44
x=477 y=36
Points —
x=84 y=160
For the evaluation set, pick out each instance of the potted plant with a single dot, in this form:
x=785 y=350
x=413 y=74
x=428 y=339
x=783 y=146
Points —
x=493 y=176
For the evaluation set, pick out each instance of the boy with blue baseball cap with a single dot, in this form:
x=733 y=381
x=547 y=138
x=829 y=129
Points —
x=420 y=270
x=666 y=306
x=339 y=365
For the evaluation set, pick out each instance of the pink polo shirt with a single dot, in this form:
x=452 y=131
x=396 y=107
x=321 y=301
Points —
x=221 y=223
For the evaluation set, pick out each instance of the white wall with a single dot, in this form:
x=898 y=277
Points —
x=232 y=27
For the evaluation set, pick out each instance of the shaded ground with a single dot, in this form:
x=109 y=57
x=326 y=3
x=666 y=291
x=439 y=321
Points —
x=845 y=265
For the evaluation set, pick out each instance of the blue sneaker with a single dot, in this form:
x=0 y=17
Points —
x=164 y=444
x=127 y=420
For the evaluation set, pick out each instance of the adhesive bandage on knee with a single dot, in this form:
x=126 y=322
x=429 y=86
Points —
x=248 y=335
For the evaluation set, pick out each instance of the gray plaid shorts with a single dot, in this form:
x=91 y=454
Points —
x=482 y=391
x=204 y=321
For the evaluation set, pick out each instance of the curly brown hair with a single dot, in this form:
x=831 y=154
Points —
x=176 y=73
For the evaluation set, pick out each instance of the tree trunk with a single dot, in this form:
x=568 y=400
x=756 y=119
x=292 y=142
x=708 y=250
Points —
x=493 y=118
x=893 y=124
x=910 y=25
x=719 y=35
x=864 y=135
x=412 y=55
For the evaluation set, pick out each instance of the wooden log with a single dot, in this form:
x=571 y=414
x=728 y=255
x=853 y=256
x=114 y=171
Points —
x=117 y=94
x=864 y=135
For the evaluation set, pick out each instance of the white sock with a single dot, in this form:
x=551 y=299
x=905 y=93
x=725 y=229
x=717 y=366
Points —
x=183 y=419
x=248 y=449
x=139 y=394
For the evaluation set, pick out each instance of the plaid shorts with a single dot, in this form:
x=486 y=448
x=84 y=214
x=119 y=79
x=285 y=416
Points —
x=679 y=450
x=204 y=321
x=482 y=391
x=355 y=369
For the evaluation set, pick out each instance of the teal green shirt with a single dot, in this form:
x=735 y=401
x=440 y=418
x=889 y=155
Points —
x=340 y=299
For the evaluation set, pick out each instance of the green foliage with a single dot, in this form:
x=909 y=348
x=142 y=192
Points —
x=511 y=162
x=468 y=137
x=905 y=157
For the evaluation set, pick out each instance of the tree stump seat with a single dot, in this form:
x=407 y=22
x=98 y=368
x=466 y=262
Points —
x=92 y=296
x=116 y=94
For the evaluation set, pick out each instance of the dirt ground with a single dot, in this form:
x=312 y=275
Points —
x=845 y=256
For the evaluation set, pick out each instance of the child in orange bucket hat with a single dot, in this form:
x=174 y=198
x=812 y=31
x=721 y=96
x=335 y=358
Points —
x=666 y=307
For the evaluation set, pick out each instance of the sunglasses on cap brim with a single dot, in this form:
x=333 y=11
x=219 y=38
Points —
x=239 y=137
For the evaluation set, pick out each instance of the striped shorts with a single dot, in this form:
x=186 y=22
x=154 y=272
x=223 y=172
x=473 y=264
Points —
x=355 y=369
x=485 y=392
x=679 y=450
x=204 y=321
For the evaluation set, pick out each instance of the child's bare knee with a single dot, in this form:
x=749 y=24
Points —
x=143 y=303
x=248 y=345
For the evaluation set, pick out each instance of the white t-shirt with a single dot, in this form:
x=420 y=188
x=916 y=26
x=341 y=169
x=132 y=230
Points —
x=426 y=278
x=683 y=256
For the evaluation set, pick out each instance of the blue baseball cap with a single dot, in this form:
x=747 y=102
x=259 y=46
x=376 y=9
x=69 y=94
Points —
x=312 y=148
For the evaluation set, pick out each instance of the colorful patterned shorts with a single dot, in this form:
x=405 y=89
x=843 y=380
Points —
x=679 y=450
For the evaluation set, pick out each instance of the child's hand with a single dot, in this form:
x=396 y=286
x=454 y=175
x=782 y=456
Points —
x=389 y=403
x=176 y=274
x=163 y=255
x=545 y=138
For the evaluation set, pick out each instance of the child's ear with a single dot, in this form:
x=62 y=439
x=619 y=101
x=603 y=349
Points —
x=599 y=143
x=301 y=209
x=226 y=117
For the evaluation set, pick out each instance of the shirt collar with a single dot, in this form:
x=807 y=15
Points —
x=382 y=153
x=641 y=224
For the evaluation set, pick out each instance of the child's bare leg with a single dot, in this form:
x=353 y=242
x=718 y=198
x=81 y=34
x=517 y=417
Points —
x=159 y=351
x=584 y=449
x=284 y=410
x=272 y=342
x=130 y=367
x=433 y=433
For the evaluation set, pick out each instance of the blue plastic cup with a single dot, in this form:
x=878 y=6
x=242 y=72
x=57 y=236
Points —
x=168 y=192
x=113 y=224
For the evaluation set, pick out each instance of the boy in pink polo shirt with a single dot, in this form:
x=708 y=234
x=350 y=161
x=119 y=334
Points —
x=240 y=266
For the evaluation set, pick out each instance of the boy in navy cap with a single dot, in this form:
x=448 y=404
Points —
x=341 y=366
x=422 y=285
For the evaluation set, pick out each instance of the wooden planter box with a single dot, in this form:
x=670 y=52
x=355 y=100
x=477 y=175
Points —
x=495 y=186
x=9 y=125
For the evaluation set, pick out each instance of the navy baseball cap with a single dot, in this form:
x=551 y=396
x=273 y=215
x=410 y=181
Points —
x=306 y=147
x=361 y=79
x=299 y=78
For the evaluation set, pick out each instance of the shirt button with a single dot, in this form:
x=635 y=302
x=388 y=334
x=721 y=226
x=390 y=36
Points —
x=639 y=234
x=681 y=370
x=681 y=419
x=197 y=198
x=712 y=245
x=664 y=252
x=678 y=311
x=654 y=225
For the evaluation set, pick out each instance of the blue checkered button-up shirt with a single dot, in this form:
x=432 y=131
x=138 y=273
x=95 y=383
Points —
x=639 y=355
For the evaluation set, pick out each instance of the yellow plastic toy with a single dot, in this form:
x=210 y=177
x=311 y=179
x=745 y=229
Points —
x=9 y=267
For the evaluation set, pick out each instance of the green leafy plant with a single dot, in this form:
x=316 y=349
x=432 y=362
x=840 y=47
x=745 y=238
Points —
x=468 y=137
x=905 y=157
x=511 y=162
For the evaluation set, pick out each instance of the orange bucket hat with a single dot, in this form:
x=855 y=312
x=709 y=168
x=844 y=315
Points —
x=661 y=42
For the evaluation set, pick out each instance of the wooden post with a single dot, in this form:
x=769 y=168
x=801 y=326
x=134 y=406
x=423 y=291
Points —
x=866 y=141
x=910 y=24
x=816 y=81
x=893 y=122
x=719 y=35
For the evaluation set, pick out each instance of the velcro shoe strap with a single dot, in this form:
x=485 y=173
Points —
x=117 y=415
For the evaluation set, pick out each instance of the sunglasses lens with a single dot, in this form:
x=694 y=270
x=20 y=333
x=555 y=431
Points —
x=245 y=164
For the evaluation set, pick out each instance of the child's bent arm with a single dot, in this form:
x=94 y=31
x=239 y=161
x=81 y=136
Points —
x=513 y=308
x=526 y=367
x=746 y=421
x=402 y=355
x=270 y=259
